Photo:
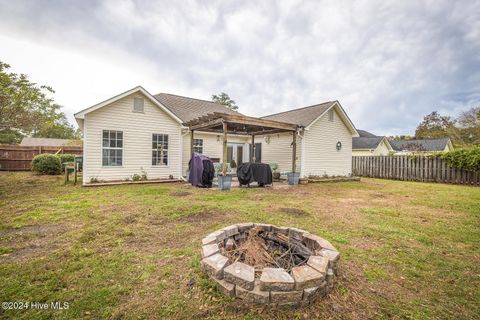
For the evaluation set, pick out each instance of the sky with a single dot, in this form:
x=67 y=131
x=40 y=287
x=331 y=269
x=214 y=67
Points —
x=389 y=63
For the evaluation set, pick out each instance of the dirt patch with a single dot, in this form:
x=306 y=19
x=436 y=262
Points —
x=30 y=241
x=201 y=216
x=36 y=230
x=180 y=194
x=294 y=211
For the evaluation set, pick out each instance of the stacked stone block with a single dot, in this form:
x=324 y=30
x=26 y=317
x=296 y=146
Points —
x=275 y=285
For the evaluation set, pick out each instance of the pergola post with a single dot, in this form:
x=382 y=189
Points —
x=253 y=149
x=191 y=143
x=224 y=167
x=294 y=152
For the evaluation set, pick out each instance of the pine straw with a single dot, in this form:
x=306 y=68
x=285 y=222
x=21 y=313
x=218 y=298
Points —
x=263 y=249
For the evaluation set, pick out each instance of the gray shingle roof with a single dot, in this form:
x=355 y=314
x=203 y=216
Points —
x=366 y=134
x=365 y=142
x=190 y=108
x=420 y=145
x=302 y=116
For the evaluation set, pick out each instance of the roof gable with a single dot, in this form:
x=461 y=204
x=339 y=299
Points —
x=81 y=115
x=307 y=116
x=301 y=116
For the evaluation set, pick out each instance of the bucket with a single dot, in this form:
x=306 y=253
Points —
x=293 y=178
x=224 y=182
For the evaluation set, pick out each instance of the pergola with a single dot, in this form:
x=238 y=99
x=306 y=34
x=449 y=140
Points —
x=240 y=124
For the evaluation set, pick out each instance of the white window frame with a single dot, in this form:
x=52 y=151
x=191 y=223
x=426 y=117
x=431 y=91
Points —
x=109 y=147
x=143 y=104
x=156 y=163
x=197 y=146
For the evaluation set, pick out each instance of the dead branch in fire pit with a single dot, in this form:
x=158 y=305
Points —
x=262 y=249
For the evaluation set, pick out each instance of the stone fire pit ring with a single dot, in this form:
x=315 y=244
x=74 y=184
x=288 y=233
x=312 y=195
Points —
x=274 y=286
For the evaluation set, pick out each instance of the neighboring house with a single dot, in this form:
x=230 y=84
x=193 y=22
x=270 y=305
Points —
x=136 y=131
x=369 y=144
x=50 y=142
x=424 y=146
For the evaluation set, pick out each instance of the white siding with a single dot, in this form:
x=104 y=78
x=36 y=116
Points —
x=212 y=146
x=137 y=130
x=279 y=150
x=321 y=154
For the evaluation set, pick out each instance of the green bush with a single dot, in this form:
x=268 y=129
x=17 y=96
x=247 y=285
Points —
x=65 y=157
x=468 y=159
x=47 y=164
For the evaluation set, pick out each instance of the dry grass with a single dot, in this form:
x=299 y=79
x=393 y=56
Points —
x=409 y=250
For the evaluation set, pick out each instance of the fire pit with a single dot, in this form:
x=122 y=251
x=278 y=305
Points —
x=265 y=264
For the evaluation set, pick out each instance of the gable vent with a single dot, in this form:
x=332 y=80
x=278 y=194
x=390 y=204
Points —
x=138 y=104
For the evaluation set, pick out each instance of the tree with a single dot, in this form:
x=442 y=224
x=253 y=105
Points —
x=27 y=110
x=401 y=137
x=469 y=125
x=436 y=126
x=224 y=99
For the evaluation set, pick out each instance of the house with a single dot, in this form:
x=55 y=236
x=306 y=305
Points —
x=50 y=142
x=424 y=146
x=137 y=132
x=368 y=144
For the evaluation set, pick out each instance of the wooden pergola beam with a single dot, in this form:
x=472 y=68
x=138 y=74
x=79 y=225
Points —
x=206 y=125
x=215 y=119
x=224 y=166
x=265 y=132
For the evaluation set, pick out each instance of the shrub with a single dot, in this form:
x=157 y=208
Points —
x=47 y=164
x=65 y=157
x=468 y=159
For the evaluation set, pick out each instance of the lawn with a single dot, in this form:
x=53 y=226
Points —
x=409 y=250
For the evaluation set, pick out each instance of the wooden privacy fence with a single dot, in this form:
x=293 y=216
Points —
x=412 y=169
x=19 y=158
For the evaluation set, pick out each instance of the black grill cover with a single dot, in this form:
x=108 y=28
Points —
x=249 y=172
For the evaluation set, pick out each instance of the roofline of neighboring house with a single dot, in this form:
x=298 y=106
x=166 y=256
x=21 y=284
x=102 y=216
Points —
x=449 y=143
x=384 y=138
x=81 y=114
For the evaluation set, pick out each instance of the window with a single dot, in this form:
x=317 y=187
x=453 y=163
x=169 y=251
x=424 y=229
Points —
x=138 y=104
x=198 y=145
x=112 y=148
x=330 y=115
x=159 y=149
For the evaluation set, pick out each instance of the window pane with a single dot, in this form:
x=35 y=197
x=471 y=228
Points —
x=105 y=142
x=112 y=135
x=119 y=143
x=119 y=135
x=113 y=143
x=105 y=134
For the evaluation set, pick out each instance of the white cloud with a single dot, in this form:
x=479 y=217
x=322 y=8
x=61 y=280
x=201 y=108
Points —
x=388 y=63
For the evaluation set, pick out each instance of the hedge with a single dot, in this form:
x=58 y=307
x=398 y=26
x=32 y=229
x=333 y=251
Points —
x=47 y=164
x=468 y=159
